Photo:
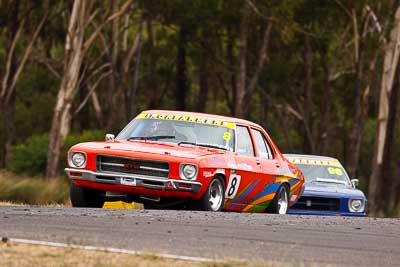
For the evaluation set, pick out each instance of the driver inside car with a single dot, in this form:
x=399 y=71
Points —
x=167 y=128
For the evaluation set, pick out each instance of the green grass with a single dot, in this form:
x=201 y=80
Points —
x=33 y=190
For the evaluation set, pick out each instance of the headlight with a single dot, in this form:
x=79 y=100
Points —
x=77 y=160
x=188 y=172
x=356 y=205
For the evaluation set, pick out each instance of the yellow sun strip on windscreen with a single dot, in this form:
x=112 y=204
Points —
x=187 y=118
x=321 y=162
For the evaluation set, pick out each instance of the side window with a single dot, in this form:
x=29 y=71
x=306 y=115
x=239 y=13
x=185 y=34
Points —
x=263 y=148
x=244 y=144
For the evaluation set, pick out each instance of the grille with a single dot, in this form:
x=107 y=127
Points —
x=318 y=203
x=158 y=169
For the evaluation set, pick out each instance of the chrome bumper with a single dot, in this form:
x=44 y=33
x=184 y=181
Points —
x=149 y=182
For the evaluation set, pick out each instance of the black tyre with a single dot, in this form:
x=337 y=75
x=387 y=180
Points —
x=280 y=203
x=214 y=198
x=82 y=197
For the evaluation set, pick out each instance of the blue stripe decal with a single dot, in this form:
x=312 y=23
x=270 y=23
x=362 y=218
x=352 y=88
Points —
x=244 y=194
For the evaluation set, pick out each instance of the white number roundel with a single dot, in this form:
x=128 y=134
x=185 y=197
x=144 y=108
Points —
x=233 y=186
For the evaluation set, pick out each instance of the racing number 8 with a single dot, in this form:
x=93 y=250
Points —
x=233 y=186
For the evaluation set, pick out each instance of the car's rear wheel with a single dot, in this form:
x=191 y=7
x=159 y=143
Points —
x=280 y=203
x=82 y=197
x=214 y=197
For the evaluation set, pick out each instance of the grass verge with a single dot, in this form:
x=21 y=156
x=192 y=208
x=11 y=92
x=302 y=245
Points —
x=33 y=190
x=24 y=255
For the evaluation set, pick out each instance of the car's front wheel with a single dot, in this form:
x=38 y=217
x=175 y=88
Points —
x=214 y=198
x=280 y=203
x=82 y=197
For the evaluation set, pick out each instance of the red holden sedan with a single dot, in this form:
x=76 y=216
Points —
x=181 y=159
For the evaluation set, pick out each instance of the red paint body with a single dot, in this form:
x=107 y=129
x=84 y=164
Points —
x=260 y=177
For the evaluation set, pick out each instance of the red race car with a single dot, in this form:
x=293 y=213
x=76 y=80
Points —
x=181 y=159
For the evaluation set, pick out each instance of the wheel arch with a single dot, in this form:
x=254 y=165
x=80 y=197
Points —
x=222 y=176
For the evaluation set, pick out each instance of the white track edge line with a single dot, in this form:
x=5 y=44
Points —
x=107 y=249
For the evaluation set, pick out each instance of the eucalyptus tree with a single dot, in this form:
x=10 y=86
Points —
x=81 y=35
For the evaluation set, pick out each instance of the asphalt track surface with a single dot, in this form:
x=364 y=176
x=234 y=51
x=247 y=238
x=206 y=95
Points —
x=283 y=238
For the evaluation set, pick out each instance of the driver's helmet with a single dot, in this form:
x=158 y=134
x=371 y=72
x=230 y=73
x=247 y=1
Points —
x=165 y=128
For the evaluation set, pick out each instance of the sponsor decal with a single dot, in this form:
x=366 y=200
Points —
x=322 y=162
x=188 y=118
x=128 y=181
x=207 y=174
x=244 y=166
x=216 y=160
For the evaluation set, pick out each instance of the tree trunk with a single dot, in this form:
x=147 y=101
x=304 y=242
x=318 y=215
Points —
x=61 y=124
x=231 y=72
x=69 y=86
x=390 y=65
x=240 y=94
x=262 y=58
x=152 y=82
x=7 y=107
x=396 y=186
x=97 y=110
x=308 y=141
x=9 y=130
x=361 y=98
x=388 y=193
x=181 y=78
x=353 y=152
x=325 y=128
x=203 y=76
x=131 y=85
x=75 y=48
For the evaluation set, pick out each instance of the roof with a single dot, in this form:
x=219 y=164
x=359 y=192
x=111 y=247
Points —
x=211 y=116
x=308 y=156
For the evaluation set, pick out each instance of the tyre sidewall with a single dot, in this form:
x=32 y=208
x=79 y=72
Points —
x=205 y=200
x=82 y=197
x=274 y=207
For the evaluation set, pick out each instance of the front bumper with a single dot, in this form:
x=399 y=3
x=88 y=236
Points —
x=141 y=181
x=325 y=213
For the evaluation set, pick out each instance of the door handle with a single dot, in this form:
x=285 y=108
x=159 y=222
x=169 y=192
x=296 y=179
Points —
x=277 y=164
x=258 y=162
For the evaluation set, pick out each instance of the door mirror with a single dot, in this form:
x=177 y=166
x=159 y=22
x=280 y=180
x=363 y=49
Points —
x=110 y=138
x=355 y=182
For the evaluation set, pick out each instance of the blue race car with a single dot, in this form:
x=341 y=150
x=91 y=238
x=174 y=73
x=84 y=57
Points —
x=327 y=188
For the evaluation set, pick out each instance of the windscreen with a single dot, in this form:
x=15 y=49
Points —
x=324 y=171
x=181 y=129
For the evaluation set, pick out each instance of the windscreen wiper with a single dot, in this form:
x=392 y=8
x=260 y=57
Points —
x=327 y=180
x=151 y=138
x=202 y=144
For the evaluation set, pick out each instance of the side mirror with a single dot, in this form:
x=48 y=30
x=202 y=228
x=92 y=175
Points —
x=110 y=138
x=355 y=182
